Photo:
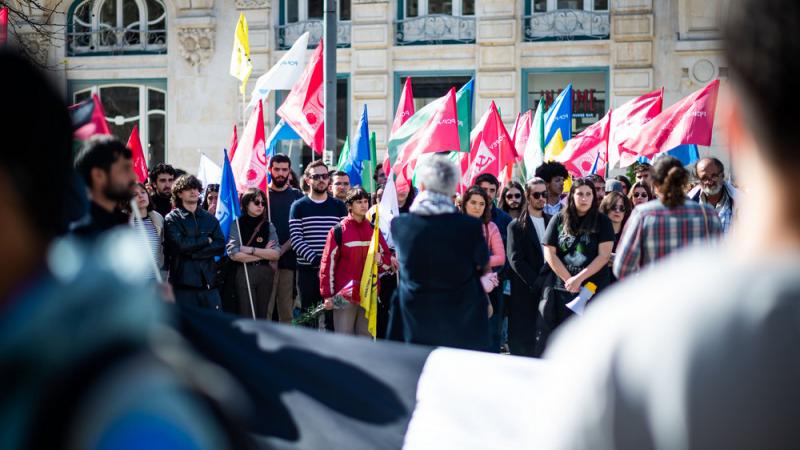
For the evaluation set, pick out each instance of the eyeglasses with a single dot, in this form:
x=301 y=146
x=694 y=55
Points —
x=341 y=183
x=538 y=195
x=511 y=196
x=319 y=176
x=640 y=195
x=712 y=176
x=257 y=202
x=617 y=208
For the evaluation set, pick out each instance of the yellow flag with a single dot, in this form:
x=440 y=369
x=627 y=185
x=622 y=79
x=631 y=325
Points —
x=554 y=147
x=369 y=281
x=241 y=66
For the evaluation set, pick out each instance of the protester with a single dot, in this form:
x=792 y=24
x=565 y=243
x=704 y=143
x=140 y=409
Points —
x=405 y=197
x=512 y=200
x=310 y=219
x=254 y=254
x=475 y=205
x=525 y=255
x=346 y=249
x=193 y=239
x=640 y=194
x=577 y=247
x=599 y=186
x=440 y=299
x=661 y=227
x=294 y=181
x=281 y=197
x=618 y=209
x=379 y=176
x=625 y=181
x=161 y=178
x=643 y=173
x=553 y=173
x=340 y=184
x=81 y=328
x=714 y=190
x=615 y=186
x=725 y=342
x=152 y=223
x=107 y=169
x=210 y=197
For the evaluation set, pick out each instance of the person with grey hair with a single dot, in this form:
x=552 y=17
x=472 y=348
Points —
x=714 y=190
x=441 y=298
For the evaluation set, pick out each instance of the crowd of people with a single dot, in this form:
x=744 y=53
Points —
x=292 y=250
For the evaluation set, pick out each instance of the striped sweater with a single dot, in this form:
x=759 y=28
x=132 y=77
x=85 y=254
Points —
x=309 y=223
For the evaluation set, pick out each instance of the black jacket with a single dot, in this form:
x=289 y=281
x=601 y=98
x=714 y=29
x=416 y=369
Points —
x=526 y=257
x=191 y=242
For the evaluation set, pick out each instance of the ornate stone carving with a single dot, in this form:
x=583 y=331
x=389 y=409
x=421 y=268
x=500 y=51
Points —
x=196 y=44
x=251 y=4
x=36 y=45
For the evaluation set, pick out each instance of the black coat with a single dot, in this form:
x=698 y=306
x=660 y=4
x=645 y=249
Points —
x=526 y=257
x=191 y=242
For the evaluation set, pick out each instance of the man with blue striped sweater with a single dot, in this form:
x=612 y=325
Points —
x=310 y=219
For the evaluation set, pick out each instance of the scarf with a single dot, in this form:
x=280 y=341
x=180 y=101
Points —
x=430 y=203
x=248 y=225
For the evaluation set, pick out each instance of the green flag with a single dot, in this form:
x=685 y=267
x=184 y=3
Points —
x=368 y=174
x=344 y=154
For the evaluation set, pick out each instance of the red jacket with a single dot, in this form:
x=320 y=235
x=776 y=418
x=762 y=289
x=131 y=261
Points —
x=341 y=265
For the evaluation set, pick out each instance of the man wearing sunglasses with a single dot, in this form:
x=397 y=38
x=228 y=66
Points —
x=714 y=190
x=512 y=200
x=310 y=219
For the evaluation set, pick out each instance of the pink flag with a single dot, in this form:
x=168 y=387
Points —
x=303 y=108
x=405 y=109
x=234 y=142
x=628 y=120
x=440 y=134
x=139 y=161
x=690 y=121
x=582 y=150
x=522 y=131
x=96 y=123
x=249 y=166
x=3 y=25
x=492 y=149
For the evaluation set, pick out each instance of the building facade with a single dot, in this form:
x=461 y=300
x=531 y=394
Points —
x=163 y=64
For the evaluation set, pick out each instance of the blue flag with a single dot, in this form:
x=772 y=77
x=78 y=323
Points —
x=687 y=154
x=559 y=116
x=596 y=163
x=228 y=208
x=359 y=151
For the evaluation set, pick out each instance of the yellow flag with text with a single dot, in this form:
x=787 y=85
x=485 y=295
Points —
x=241 y=66
x=369 y=281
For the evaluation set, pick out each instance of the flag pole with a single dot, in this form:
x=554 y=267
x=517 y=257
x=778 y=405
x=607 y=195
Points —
x=244 y=265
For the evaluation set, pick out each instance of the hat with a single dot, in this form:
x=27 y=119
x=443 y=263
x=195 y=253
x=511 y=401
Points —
x=615 y=186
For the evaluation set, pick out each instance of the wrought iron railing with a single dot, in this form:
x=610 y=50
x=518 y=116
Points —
x=435 y=29
x=116 y=41
x=288 y=33
x=566 y=24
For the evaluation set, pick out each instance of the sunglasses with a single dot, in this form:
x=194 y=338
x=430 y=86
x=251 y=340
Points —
x=639 y=195
x=513 y=196
x=258 y=202
x=319 y=176
x=538 y=195
x=619 y=209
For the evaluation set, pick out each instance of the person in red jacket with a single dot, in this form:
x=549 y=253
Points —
x=343 y=261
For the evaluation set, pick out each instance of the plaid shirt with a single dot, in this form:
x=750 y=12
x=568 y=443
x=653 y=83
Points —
x=654 y=231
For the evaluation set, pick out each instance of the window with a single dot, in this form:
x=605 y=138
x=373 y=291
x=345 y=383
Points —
x=417 y=8
x=425 y=22
x=127 y=105
x=302 y=10
x=297 y=150
x=589 y=97
x=116 y=26
x=298 y=16
x=429 y=88
x=565 y=20
x=540 y=6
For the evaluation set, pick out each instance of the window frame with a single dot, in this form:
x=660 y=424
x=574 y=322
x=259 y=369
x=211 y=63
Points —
x=95 y=27
x=424 y=5
x=302 y=12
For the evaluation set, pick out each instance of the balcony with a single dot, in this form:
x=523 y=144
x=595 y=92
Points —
x=287 y=34
x=566 y=24
x=115 y=41
x=435 y=29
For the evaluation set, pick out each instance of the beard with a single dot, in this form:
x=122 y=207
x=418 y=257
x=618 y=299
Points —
x=514 y=206
x=318 y=190
x=714 y=190
x=118 y=194
x=279 y=182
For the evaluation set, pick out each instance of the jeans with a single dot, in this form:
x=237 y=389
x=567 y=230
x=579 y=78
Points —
x=202 y=298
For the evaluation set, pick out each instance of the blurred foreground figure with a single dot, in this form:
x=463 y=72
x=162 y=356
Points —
x=85 y=357
x=671 y=360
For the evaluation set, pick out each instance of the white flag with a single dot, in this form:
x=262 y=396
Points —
x=284 y=74
x=208 y=172
x=389 y=210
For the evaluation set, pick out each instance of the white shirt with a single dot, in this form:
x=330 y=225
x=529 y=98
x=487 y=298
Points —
x=538 y=224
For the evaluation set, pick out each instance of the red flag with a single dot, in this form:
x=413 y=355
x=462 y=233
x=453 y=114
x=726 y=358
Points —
x=139 y=161
x=249 y=166
x=234 y=142
x=94 y=122
x=522 y=131
x=492 y=149
x=303 y=108
x=581 y=151
x=3 y=25
x=440 y=134
x=690 y=121
x=628 y=120
x=405 y=109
